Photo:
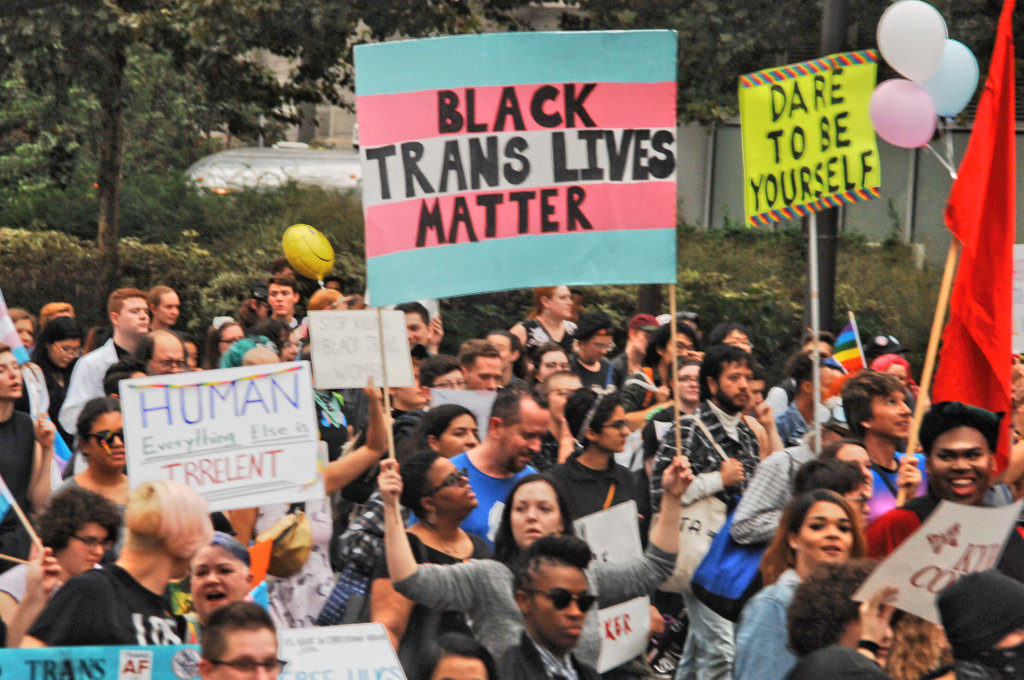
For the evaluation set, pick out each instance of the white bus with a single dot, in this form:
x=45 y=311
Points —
x=252 y=168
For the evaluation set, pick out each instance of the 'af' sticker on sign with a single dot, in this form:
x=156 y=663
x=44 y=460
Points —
x=808 y=142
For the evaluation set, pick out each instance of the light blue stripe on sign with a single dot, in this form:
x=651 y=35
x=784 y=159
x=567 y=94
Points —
x=513 y=58
x=625 y=256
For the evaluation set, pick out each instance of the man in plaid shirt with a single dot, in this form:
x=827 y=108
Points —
x=725 y=394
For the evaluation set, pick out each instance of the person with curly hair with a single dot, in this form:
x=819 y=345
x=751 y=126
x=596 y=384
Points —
x=79 y=526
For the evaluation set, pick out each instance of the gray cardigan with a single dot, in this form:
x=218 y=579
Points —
x=483 y=590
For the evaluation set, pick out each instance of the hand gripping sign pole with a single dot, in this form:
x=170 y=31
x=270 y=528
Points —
x=384 y=379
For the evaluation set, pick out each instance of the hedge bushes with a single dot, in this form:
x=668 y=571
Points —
x=222 y=243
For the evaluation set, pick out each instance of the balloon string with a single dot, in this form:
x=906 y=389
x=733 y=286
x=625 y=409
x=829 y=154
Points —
x=945 y=164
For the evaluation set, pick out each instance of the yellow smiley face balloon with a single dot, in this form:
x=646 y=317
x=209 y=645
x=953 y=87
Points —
x=308 y=251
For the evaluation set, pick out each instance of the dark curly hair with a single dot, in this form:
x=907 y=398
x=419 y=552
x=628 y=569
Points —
x=821 y=608
x=92 y=410
x=414 y=471
x=557 y=549
x=69 y=510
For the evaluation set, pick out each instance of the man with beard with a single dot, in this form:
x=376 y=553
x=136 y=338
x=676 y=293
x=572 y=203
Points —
x=514 y=432
x=725 y=393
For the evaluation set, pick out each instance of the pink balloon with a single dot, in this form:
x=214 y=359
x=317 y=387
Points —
x=903 y=113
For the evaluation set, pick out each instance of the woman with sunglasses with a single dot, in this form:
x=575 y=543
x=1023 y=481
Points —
x=101 y=441
x=592 y=478
x=536 y=507
x=440 y=497
x=817 y=527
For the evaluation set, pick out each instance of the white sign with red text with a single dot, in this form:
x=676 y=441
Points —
x=614 y=537
x=955 y=540
x=241 y=437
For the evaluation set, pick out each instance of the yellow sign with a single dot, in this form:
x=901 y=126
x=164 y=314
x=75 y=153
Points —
x=808 y=142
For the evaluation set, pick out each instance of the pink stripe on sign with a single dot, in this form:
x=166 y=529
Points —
x=395 y=227
x=389 y=118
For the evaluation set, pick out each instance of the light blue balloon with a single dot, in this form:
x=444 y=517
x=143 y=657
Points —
x=955 y=80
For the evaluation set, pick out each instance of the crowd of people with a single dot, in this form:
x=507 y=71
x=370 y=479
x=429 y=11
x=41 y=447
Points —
x=463 y=543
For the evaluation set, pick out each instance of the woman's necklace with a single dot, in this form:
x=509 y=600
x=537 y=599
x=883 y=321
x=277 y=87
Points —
x=446 y=548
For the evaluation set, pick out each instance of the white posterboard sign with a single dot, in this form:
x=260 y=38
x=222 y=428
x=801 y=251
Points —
x=614 y=537
x=625 y=628
x=478 y=401
x=613 y=534
x=955 y=540
x=241 y=437
x=357 y=651
x=1017 y=343
x=346 y=350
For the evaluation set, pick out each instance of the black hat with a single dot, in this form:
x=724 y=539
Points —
x=877 y=345
x=949 y=415
x=979 y=610
x=591 y=324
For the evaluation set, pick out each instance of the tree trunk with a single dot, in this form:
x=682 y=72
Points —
x=111 y=158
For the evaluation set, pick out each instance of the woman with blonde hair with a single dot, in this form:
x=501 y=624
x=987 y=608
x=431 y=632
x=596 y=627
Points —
x=125 y=603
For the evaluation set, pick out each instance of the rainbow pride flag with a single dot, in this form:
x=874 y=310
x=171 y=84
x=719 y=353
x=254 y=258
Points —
x=847 y=350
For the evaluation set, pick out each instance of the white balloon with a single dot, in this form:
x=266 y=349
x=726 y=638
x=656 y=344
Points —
x=911 y=36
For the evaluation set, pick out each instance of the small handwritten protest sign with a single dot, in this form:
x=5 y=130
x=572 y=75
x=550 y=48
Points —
x=241 y=437
x=613 y=534
x=808 y=142
x=614 y=537
x=477 y=401
x=624 y=631
x=553 y=151
x=165 y=662
x=346 y=349
x=1018 y=299
x=955 y=540
x=357 y=651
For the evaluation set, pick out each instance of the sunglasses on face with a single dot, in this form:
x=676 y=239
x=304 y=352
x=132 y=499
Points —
x=459 y=477
x=560 y=598
x=107 y=436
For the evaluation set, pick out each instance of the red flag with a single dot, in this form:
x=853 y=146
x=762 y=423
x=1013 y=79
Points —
x=975 y=360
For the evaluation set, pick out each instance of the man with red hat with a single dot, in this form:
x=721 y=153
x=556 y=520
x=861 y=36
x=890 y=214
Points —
x=640 y=329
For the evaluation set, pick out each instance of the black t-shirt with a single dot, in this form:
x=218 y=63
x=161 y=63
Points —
x=588 y=489
x=107 y=606
x=17 y=455
x=418 y=650
x=601 y=377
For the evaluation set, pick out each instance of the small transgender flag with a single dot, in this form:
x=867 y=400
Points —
x=8 y=334
x=6 y=499
x=847 y=350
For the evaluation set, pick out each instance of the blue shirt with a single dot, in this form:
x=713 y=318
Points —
x=762 y=643
x=491 y=493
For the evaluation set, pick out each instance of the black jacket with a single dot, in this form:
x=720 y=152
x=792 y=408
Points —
x=522 y=662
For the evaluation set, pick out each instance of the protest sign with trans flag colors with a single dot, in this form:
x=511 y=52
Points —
x=510 y=160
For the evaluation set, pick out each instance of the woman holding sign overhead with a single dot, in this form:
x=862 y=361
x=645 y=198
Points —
x=483 y=588
x=440 y=496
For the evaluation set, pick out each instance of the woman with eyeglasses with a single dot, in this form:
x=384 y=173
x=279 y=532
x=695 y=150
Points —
x=536 y=507
x=101 y=441
x=78 y=526
x=440 y=497
x=224 y=332
x=58 y=347
x=593 y=479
